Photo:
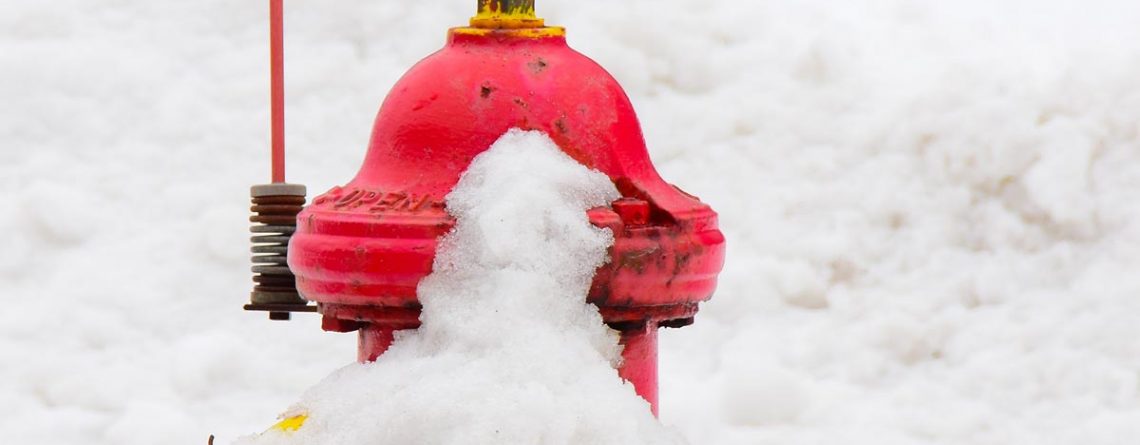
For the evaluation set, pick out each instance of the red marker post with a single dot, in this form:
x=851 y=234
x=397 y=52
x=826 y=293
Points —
x=276 y=205
x=277 y=88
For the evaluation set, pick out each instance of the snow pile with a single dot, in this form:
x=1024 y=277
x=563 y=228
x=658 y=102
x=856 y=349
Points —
x=931 y=210
x=509 y=351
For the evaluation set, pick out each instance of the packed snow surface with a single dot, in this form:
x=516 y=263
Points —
x=932 y=209
x=509 y=351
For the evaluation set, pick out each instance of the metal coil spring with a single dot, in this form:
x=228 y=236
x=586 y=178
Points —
x=275 y=208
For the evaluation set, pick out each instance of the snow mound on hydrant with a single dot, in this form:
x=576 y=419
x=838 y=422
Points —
x=509 y=351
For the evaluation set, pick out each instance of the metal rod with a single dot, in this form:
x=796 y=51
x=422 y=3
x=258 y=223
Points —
x=506 y=6
x=277 y=89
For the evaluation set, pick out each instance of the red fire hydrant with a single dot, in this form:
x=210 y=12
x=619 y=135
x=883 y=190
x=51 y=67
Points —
x=360 y=250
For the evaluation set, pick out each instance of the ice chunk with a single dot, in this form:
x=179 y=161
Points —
x=509 y=351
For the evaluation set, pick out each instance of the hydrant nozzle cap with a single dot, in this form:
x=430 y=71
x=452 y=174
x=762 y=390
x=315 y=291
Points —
x=506 y=14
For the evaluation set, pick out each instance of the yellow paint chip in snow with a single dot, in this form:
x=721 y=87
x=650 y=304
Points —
x=290 y=424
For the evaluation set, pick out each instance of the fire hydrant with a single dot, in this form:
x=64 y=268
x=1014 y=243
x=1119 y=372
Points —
x=360 y=250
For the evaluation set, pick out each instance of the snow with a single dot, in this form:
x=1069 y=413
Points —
x=509 y=350
x=931 y=212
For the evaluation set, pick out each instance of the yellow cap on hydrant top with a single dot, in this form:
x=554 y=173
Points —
x=506 y=14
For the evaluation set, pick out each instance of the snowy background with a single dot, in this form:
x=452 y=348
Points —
x=933 y=209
